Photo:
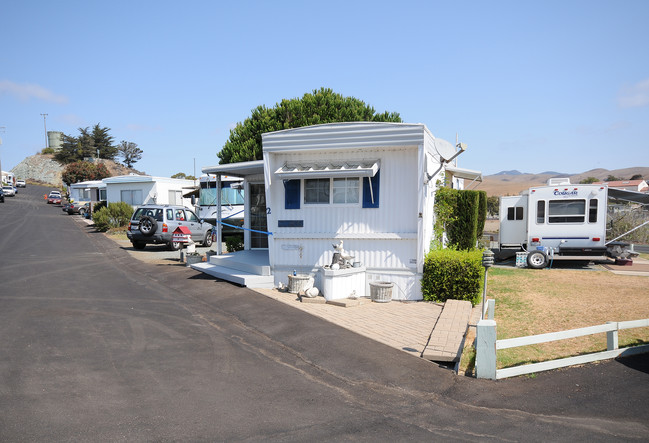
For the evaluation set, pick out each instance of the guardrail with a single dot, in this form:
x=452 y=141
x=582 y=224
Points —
x=487 y=346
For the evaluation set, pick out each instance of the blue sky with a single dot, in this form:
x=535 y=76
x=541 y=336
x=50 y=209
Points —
x=533 y=86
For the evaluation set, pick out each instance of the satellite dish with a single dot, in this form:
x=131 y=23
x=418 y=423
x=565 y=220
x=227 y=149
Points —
x=445 y=149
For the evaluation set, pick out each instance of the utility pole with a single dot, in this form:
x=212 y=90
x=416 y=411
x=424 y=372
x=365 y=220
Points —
x=45 y=125
x=2 y=129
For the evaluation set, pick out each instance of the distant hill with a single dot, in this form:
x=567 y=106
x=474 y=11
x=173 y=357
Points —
x=513 y=182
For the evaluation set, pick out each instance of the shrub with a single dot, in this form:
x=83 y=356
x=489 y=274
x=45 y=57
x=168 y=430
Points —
x=97 y=206
x=234 y=244
x=114 y=215
x=452 y=274
x=461 y=214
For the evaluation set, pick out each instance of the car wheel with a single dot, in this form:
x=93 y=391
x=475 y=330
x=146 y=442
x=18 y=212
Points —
x=148 y=225
x=174 y=245
x=139 y=244
x=207 y=242
x=537 y=260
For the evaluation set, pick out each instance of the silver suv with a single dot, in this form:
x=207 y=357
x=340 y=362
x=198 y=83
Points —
x=156 y=224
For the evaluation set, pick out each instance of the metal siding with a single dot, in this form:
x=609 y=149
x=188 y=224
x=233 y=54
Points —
x=396 y=216
x=344 y=135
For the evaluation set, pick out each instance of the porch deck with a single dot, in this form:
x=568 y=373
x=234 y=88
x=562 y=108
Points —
x=250 y=268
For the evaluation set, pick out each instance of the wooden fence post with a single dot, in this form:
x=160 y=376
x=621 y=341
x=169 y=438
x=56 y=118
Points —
x=485 y=354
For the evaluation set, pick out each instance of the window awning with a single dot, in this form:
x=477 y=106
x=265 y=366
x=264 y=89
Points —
x=364 y=168
x=467 y=174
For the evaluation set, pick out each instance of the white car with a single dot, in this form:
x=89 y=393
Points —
x=21 y=184
x=9 y=191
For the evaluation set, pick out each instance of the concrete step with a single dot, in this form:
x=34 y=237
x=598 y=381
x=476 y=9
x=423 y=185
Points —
x=242 y=261
x=239 y=277
x=447 y=338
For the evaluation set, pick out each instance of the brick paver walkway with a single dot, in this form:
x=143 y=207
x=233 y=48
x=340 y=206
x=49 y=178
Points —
x=402 y=325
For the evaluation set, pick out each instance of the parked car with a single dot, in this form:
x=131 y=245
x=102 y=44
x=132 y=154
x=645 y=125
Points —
x=54 y=198
x=2 y=196
x=9 y=191
x=21 y=184
x=77 y=208
x=155 y=224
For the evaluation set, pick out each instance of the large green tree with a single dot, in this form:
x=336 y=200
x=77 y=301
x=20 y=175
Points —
x=88 y=144
x=321 y=106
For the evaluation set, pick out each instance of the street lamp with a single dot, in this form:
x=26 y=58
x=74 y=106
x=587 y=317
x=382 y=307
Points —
x=487 y=262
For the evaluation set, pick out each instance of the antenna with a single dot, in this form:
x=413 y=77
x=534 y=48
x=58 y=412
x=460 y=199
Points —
x=45 y=125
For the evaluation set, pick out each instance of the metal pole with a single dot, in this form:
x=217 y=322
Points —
x=45 y=126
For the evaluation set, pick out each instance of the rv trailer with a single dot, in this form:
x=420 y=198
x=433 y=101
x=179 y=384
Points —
x=232 y=201
x=560 y=221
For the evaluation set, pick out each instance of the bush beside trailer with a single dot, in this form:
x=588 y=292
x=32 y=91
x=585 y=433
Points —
x=560 y=221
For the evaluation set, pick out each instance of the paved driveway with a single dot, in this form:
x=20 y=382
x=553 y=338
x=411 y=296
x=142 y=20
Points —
x=98 y=346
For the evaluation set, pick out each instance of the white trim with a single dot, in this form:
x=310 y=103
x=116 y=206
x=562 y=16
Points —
x=350 y=168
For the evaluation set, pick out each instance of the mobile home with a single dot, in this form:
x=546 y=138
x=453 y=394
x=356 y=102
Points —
x=369 y=185
x=143 y=189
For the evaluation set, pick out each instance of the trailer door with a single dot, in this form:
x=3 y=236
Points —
x=513 y=220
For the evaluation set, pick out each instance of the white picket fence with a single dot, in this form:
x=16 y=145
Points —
x=487 y=346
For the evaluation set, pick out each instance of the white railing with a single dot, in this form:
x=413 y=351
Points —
x=487 y=346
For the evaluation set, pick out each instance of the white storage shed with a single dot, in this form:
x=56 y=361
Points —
x=144 y=189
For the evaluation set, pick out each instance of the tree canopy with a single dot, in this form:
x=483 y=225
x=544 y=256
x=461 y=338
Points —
x=82 y=171
x=88 y=144
x=129 y=152
x=321 y=106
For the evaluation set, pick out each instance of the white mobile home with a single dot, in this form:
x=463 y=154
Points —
x=88 y=191
x=371 y=185
x=142 y=189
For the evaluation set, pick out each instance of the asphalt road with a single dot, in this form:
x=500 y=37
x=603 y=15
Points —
x=97 y=346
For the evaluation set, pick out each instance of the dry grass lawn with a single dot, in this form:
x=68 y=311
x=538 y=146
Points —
x=532 y=302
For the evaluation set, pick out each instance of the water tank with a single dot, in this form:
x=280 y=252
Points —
x=54 y=139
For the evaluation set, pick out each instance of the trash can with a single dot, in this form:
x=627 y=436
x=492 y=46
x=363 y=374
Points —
x=381 y=291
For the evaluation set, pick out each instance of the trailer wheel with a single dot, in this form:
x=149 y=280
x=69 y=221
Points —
x=537 y=260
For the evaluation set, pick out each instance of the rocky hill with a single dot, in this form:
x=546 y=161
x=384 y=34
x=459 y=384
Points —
x=42 y=168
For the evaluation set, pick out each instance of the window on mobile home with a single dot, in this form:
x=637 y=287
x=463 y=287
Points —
x=566 y=211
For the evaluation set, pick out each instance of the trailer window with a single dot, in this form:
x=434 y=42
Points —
x=515 y=213
x=540 y=211
x=592 y=211
x=566 y=211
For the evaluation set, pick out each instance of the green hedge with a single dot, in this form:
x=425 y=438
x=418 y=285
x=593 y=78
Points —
x=461 y=214
x=452 y=274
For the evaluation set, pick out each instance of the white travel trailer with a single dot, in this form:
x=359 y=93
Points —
x=558 y=221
